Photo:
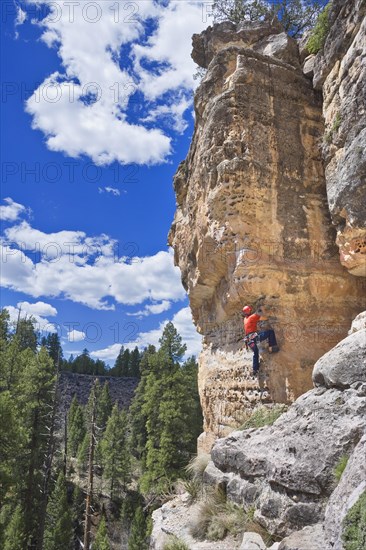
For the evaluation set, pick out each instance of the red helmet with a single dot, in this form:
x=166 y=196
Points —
x=247 y=310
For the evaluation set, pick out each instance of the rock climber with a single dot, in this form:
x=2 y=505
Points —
x=252 y=336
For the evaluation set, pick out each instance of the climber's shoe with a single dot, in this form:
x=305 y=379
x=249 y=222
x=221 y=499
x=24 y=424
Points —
x=255 y=372
x=274 y=349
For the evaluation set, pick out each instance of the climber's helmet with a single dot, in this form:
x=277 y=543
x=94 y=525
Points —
x=247 y=310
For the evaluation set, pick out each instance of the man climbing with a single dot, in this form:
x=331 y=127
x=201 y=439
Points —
x=252 y=336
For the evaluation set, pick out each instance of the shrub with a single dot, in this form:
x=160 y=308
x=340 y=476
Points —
x=319 y=33
x=194 y=487
x=217 y=517
x=175 y=544
x=340 y=467
x=354 y=526
x=197 y=465
x=263 y=416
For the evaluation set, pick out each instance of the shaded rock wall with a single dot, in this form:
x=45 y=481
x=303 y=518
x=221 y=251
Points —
x=340 y=72
x=252 y=223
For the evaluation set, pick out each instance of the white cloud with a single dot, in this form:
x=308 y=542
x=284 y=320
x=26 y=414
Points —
x=38 y=311
x=11 y=211
x=84 y=110
x=182 y=321
x=154 y=309
x=39 y=308
x=21 y=16
x=86 y=270
x=75 y=335
x=51 y=246
x=20 y=19
x=170 y=45
x=112 y=190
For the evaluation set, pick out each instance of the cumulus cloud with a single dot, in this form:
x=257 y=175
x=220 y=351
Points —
x=11 y=210
x=153 y=309
x=38 y=311
x=182 y=321
x=85 y=110
x=86 y=270
x=75 y=335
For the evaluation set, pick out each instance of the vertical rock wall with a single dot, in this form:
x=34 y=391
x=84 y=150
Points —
x=252 y=223
x=340 y=72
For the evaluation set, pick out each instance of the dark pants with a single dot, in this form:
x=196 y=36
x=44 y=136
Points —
x=263 y=335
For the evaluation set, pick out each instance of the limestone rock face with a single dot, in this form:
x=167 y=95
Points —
x=287 y=470
x=252 y=223
x=311 y=537
x=348 y=491
x=344 y=365
x=340 y=71
x=252 y=541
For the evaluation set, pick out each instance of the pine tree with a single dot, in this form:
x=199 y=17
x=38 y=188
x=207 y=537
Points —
x=53 y=345
x=82 y=455
x=59 y=529
x=37 y=391
x=76 y=429
x=101 y=540
x=114 y=450
x=134 y=363
x=137 y=416
x=137 y=539
x=15 y=537
x=26 y=333
x=170 y=405
x=121 y=366
x=104 y=407
x=92 y=408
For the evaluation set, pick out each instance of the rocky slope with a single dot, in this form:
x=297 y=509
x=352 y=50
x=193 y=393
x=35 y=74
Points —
x=252 y=223
x=286 y=471
x=79 y=385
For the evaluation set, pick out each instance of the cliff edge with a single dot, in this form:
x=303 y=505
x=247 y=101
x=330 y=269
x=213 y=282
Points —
x=252 y=223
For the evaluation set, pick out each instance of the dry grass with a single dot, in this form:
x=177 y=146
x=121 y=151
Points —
x=263 y=416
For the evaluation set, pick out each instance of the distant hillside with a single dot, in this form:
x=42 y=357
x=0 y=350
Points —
x=121 y=388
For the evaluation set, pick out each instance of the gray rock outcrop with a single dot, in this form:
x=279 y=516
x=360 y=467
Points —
x=344 y=365
x=309 y=538
x=287 y=470
x=340 y=72
x=349 y=489
x=252 y=541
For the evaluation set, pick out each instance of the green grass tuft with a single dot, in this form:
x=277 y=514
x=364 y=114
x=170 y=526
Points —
x=340 y=467
x=354 y=526
x=263 y=416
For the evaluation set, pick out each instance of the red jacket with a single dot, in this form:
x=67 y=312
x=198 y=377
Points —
x=250 y=323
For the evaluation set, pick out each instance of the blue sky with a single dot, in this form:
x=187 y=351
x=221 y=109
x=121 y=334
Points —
x=97 y=106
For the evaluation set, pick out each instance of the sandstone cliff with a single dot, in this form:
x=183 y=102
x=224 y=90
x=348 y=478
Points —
x=252 y=223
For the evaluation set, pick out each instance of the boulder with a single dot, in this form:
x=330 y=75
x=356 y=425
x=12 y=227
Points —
x=343 y=365
x=309 y=538
x=286 y=470
x=252 y=541
x=279 y=46
x=358 y=323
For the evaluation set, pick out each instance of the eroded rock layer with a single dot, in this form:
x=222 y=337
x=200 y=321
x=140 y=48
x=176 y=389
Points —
x=252 y=223
x=340 y=72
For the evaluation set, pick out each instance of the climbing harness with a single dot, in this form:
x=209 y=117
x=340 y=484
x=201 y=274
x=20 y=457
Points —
x=250 y=340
